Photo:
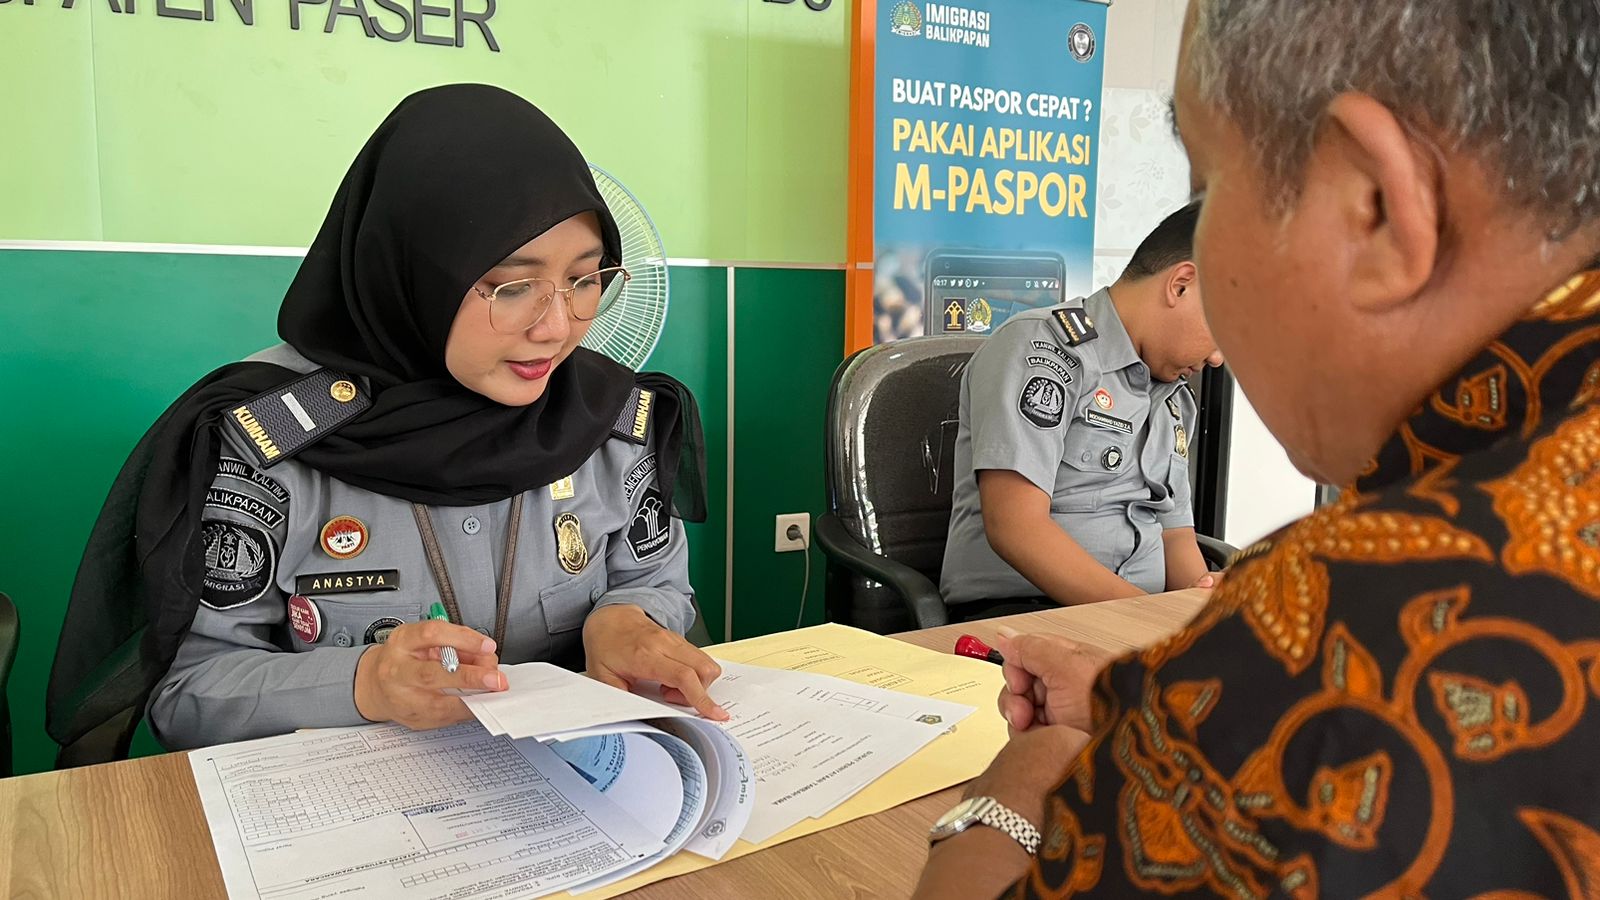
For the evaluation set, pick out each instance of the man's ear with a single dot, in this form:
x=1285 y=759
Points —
x=1382 y=187
x=1180 y=281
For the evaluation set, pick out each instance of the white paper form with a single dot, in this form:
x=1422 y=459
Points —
x=382 y=811
x=842 y=694
x=545 y=701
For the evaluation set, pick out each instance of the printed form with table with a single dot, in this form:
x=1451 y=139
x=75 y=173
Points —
x=563 y=784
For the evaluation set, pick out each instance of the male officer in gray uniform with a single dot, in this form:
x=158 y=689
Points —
x=1072 y=475
x=354 y=565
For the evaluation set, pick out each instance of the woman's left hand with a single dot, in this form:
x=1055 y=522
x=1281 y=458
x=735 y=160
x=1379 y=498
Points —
x=623 y=645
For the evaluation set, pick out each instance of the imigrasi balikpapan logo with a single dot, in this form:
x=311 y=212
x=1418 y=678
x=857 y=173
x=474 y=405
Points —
x=906 y=19
x=1081 y=41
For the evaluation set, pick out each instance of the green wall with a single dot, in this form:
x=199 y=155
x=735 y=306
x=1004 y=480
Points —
x=728 y=118
x=98 y=343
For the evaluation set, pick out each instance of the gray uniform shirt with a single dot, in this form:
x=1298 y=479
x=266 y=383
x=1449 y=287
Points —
x=290 y=604
x=1080 y=417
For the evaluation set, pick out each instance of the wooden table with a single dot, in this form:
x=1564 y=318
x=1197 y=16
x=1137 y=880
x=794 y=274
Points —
x=135 y=829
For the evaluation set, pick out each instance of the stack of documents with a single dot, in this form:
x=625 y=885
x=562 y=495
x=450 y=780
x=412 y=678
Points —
x=563 y=783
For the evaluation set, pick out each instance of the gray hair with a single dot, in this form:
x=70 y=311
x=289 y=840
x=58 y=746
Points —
x=1515 y=83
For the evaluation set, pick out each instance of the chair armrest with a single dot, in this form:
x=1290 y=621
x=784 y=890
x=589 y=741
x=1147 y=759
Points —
x=921 y=596
x=1215 y=552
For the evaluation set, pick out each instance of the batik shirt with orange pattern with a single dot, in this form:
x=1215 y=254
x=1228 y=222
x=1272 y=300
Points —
x=1399 y=695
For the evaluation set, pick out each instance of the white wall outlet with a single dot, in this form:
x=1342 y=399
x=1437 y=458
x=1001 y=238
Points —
x=782 y=543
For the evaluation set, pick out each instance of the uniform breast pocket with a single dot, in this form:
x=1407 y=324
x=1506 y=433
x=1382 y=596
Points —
x=346 y=621
x=567 y=605
x=1095 y=457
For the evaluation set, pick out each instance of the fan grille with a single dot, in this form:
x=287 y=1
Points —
x=628 y=331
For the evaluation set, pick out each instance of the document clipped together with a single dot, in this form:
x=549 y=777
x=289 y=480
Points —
x=563 y=784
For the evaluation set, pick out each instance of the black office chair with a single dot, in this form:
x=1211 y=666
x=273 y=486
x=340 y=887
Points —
x=103 y=727
x=10 y=636
x=891 y=433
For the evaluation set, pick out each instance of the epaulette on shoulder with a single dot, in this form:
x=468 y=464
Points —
x=1076 y=324
x=633 y=422
x=279 y=423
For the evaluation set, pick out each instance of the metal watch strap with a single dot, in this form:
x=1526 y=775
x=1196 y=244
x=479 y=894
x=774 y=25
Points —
x=1021 y=830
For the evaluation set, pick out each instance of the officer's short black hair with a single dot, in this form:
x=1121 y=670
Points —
x=1171 y=243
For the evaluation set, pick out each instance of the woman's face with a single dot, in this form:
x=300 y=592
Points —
x=515 y=369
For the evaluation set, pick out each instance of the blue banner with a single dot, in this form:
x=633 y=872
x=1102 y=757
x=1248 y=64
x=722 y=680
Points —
x=986 y=127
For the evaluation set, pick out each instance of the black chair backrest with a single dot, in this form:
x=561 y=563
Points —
x=10 y=636
x=892 y=420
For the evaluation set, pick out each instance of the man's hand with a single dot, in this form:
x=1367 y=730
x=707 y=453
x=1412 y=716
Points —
x=623 y=645
x=981 y=862
x=1048 y=680
x=401 y=680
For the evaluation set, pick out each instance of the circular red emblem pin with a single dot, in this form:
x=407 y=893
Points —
x=1102 y=399
x=344 y=537
x=305 y=620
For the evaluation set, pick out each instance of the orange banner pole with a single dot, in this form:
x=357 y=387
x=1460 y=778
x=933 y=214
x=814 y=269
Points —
x=858 y=330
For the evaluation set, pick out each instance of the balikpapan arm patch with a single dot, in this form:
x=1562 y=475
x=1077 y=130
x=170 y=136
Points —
x=1042 y=402
x=241 y=561
x=1046 y=362
x=285 y=420
x=221 y=498
x=633 y=423
x=1077 y=325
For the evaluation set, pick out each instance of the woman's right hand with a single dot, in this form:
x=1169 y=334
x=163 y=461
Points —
x=402 y=680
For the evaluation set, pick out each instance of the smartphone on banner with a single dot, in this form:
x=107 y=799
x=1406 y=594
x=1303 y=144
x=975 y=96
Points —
x=976 y=291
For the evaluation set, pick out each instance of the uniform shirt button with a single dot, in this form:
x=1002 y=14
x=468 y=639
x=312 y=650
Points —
x=1087 y=456
x=471 y=525
x=342 y=639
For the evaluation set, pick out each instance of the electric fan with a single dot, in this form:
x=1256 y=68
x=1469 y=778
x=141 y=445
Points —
x=628 y=330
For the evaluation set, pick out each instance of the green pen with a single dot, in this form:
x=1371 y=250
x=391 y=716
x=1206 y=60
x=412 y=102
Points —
x=447 y=655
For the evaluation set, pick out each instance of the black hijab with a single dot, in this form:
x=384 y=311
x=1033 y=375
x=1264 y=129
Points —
x=453 y=181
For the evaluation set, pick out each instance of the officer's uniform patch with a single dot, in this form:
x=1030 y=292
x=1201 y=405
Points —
x=642 y=473
x=221 y=498
x=378 y=632
x=1112 y=459
x=1077 y=325
x=1180 y=440
x=650 y=532
x=240 y=563
x=228 y=467
x=344 y=537
x=633 y=423
x=1112 y=423
x=571 y=551
x=1172 y=407
x=1045 y=362
x=285 y=420
x=1042 y=402
x=1102 y=399
x=348 y=582
x=1048 y=347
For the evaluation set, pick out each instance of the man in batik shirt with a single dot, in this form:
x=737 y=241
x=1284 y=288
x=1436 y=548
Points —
x=1400 y=694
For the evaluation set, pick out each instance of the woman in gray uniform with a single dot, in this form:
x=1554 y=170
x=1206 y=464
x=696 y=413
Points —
x=429 y=432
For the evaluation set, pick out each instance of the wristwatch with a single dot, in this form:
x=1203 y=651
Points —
x=986 y=811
